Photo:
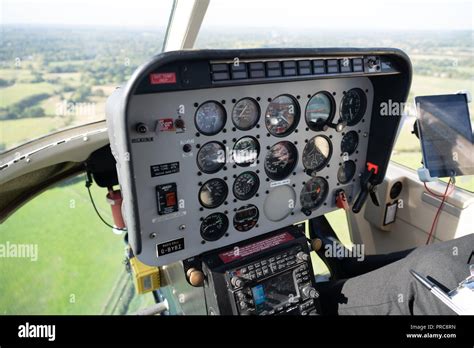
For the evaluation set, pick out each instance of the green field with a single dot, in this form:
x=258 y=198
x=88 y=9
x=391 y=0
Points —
x=79 y=259
x=16 y=132
x=13 y=94
x=19 y=75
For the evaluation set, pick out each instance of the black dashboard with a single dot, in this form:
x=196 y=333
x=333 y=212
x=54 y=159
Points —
x=216 y=147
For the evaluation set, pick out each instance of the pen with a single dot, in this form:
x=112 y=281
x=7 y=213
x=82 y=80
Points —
x=435 y=290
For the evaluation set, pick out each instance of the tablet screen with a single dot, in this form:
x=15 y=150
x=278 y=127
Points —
x=446 y=135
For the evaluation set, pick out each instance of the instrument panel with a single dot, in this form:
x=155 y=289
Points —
x=247 y=160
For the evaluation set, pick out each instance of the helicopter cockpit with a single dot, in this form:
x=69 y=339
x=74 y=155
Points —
x=221 y=166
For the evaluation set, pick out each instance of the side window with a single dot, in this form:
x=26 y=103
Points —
x=339 y=223
x=57 y=257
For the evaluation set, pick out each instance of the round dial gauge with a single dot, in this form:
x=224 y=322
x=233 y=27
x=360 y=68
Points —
x=245 y=114
x=282 y=115
x=213 y=193
x=281 y=160
x=353 y=106
x=317 y=152
x=319 y=111
x=210 y=118
x=214 y=226
x=314 y=193
x=349 y=143
x=211 y=157
x=245 y=218
x=245 y=151
x=246 y=185
x=346 y=172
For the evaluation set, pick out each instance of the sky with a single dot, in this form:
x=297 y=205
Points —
x=316 y=14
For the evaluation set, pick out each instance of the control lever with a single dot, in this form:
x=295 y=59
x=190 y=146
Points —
x=366 y=188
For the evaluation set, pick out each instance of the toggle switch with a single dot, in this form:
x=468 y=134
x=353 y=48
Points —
x=341 y=200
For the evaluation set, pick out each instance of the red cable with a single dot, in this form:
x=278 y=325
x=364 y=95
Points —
x=437 y=194
x=444 y=196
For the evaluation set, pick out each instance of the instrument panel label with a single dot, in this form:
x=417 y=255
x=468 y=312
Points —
x=170 y=247
x=162 y=78
x=249 y=249
x=164 y=169
x=166 y=125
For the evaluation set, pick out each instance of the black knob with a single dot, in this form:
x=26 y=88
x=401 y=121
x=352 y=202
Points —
x=141 y=128
x=187 y=147
x=179 y=123
x=306 y=212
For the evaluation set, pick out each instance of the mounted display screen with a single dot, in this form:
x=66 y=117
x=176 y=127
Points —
x=274 y=292
x=446 y=135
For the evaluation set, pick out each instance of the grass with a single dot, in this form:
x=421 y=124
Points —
x=78 y=257
x=19 y=75
x=13 y=94
x=16 y=132
x=426 y=85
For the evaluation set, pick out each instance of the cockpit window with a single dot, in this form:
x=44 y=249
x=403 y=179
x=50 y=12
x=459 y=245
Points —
x=59 y=61
x=440 y=46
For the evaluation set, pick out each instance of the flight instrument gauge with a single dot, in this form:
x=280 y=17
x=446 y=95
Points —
x=245 y=218
x=316 y=153
x=210 y=118
x=282 y=115
x=214 y=226
x=245 y=114
x=346 y=172
x=319 y=111
x=353 y=106
x=314 y=193
x=246 y=185
x=245 y=151
x=281 y=160
x=213 y=193
x=349 y=143
x=211 y=157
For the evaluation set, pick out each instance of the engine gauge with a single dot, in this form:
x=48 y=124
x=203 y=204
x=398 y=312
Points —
x=213 y=193
x=246 y=185
x=282 y=115
x=210 y=118
x=349 y=142
x=346 y=172
x=353 y=106
x=211 y=157
x=246 y=218
x=317 y=152
x=245 y=151
x=214 y=226
x=319 y=111
x=245 y=114
x=314 y=193
x=281 y=160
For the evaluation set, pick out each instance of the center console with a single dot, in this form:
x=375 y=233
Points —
x=268 y=275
